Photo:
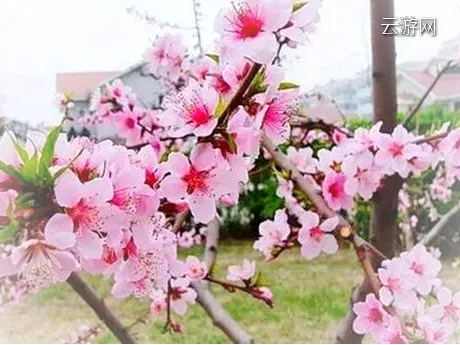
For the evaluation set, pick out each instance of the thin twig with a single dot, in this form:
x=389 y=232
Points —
x=427 y=92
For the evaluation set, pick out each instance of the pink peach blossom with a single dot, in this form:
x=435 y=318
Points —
x=315 y=237
x=370 y=317
x=248 y=27
x=199 y=182
x=334 y=191
x=243 y=272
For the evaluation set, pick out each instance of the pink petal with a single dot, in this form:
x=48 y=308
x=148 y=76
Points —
x=59 y=231
x=360 y=325
x=68 y=190
x=444 y=296
x=329 y=224
x=205 y=129
x=329 y=244
x=309 y=220
x=89 y=244
x=67 y=264
x=203 y=208
x=7 y=268
x=122 y=289
x=141 y=235
x=203 y=157
x=99 y=190
x=173 y=188
x=178 y=164
x=310 y=250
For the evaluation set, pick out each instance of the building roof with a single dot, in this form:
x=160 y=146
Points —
x=81 y=84
x=447 y=86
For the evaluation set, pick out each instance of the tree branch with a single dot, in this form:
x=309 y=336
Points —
x=346 y=231
x=212 y=240
x=427 y=92
x=96 y=303
x=219 y=316
x=440 y=225
x=205 y=298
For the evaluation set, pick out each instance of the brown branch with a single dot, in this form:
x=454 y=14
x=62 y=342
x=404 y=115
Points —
x=346 y=230
x=440 y=225
x=180 y=219
x=432 y=138
x=96 y=303
x=427 y=92
x=239 y=95
x=219 y=316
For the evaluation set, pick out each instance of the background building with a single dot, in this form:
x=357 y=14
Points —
x=354 y=96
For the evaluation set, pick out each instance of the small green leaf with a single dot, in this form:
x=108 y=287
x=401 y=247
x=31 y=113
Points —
x=47 y=156
x=7 y=233
x=287 y=86
x=298 y=5
x=214 y=57
x=29 y=169
x=49 y=146
x=19 y=149
x=11 y=172
x=220 y=109
x=259 y=281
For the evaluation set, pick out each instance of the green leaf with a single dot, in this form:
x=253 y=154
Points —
x=48 y=148
x=287 y=86
x=220 y=109
x=47 y=156
x=11 y=172
x=21 y=151
x=214 y=57
x=29 y=169
x=260 y=280
x=298 y=5
x=7 y=233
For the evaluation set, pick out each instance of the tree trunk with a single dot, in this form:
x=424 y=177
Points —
x=384 y=213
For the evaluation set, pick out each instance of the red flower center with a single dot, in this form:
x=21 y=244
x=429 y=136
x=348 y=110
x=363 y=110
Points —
x=196 y=180
x=451 y=311
x=109 y=255
x=150 y=178
x=336 y=190
x=130 y=123
x=249 y=26
x=200 y=115
x=396 y=149
x=317 y=234
x=375 y=315
x=418 y=268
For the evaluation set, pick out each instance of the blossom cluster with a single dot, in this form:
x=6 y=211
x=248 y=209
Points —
x=95 y=207
x=108 y=209
x=412 y=304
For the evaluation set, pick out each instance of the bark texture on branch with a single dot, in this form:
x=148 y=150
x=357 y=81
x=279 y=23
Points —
x=206 y=299
x=219 y=316
x=87 y=293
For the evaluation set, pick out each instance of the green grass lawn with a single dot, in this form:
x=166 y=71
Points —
x=310 y=299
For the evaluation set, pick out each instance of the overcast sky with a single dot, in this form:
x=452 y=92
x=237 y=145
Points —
x=39 y=38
